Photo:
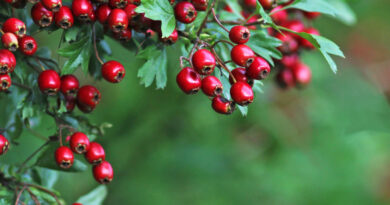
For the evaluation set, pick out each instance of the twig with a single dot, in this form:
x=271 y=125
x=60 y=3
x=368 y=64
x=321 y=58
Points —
x=40 y=64
x=182 y=58
x=33 y=197
x=44 y=190
x=221 y=41
x=22 y=86
x=94 y=45
x=32 y=155
x=20 y=194
x=205 y=18
x=220 y=62
x=217 y=20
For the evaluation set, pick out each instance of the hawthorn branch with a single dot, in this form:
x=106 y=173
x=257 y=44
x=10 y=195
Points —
x=222 y=64
x=22 y=86
x=33 y=197
x=218 y=21
x=95 y=46
x=44 y=190
x=32 y=155
x=20 y=194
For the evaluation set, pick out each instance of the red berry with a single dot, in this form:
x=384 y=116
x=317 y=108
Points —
x=82 y=9
x=79 y=143
x=95 y=153
x=88 y=95
x=212 y=86
x=103 y=173
x=279 y=16
x=77 y=204
x=124 y=35
x=239 y=34
x=10 y=41
x=120 y=4
x=84 y=108
x=118 y=20
x=242 y=55
x=185 y=12
x=41 y=15
x=15 y=26
x=203 y=61
x=7 y=61
x=200 y=5
x=302 y=74
x=289 y=60
x=28 y=45
x=250 y=3
x=252 y=20
x=64 y=157
x=130 y=11
x=188 y=80
x=289 y=43
x=171 y=39
x=5 y=82
x=102 y=13
x=4 y=145
x=259 y=69
x=223 y=106
x=295 y=25
x=267 y=4
x=64 y=18
x=285 y=79
x=52 y=5
x=305 y=43
x=228 y=9
x=113 y=71
x=70 y=103
x=311 y=15
x=49 y=82
x=240 y=76
x=242 y=93
x=136 y=2
x=69 y=85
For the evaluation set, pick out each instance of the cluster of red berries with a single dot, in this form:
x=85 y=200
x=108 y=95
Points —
x=4 y=144
x=13 y=38
x=293 y=72
x=93 y=152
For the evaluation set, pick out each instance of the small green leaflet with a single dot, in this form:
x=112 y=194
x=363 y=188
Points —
x=159 y=10
x=235 y=6
x=155 y=67
x=324 y=45
x=79 y=53
x=95 y=197
x=264 y=15
x=265 y=45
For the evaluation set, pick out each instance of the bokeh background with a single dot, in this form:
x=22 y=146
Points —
x=326 y=144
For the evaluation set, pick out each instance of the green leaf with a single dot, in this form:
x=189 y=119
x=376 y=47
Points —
x=235 y=6
x=159 y=11
x=243 y=110
x=322 y=6
x=71 y=33
x=264 y=15
x=46 y=160
x=344 y=13
x=155 y=67
x=265 y=45
x=95 y=197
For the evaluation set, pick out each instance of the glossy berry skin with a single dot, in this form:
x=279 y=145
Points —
x=259 y=69
x=242 y=55
x=77 y=204
x=95 y=153
x=239 y=34
x=240 y=75
x=79 y=143
x=103 y=173
x=203 y=61
x=242 y=93
x=305 y=43
x=7 y=61
x=41 y=15
x=200 y=5
x=102 y=13
x=212 y=86
x=120 y=4
x=171 y=39
x=64 y=18
x=223 y=106
x=69 y=85
x=295 y=25
x=285 y=79
x=15 y=26
x=185 y=12
x=302 y=74
x=28 y=45
x=130 y=11
x=64 y=157
x=52 y=5
x=250 y=3
x=289 y=43
x=10 y=41
x=89 y=96
x=311 y=15
x=124 y=35
x=113 y=71
x=4 y=145
x=118 y=20
x=267 y=4
x=189 y=81
x=5 y=82
x=82 y=9
x=84 y=108
x=70 y=103
x=280 y=16
x=49 y=82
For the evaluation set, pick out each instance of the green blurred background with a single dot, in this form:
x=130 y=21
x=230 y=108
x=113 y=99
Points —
x=327 y=144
